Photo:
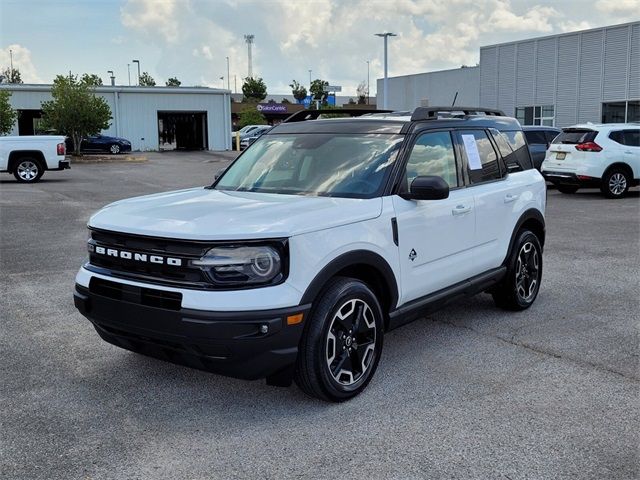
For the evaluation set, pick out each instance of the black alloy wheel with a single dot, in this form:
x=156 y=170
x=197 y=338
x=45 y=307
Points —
x=341 y=342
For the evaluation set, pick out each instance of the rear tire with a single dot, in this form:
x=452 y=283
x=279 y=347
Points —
x=615 y=183
x=567 y=189
x=28 y=170
x=520 y=287
x=341 y=343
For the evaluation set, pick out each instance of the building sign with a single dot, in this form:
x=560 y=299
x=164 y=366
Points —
x=271 y=108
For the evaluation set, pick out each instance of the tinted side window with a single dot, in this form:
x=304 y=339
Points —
x=632 y=138
x=535 y=137
x=433 y=154
x=629 y=138
x=482 y=160
x=506 y=151
x=516 y=141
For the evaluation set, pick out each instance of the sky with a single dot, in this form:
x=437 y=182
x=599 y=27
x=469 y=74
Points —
x=190 y=39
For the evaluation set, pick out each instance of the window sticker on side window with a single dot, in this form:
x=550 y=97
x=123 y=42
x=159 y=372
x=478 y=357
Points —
x=473 y=155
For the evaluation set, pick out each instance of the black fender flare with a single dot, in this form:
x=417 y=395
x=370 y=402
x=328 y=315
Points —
x=530 y=214
x=353 y=259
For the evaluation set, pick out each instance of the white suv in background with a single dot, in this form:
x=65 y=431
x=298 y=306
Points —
x=605 y=156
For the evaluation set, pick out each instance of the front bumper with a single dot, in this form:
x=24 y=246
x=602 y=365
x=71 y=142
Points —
x=229 y=343
x=570 y=179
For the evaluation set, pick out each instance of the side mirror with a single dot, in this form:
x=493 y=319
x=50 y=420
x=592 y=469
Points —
x=427 y=188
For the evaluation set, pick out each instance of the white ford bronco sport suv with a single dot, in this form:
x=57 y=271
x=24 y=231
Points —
x=318 y=239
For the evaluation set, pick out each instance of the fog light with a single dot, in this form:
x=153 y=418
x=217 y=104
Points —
x=264 y=328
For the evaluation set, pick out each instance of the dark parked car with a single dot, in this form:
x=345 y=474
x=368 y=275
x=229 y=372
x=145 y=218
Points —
x=101 y=143
x=539 y=138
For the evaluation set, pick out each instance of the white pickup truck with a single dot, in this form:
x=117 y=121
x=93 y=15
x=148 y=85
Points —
x=28 y=156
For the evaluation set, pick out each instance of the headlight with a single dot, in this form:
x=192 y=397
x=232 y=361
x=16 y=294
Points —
x=246 y=265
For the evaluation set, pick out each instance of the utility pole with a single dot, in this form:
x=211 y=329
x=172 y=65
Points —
x=249 y=39
x=235 y=84
x=228 y=76
x=11 y=61
x=385 y=91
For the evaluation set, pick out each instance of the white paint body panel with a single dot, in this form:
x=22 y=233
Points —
x=47 y=144
x=450 y=247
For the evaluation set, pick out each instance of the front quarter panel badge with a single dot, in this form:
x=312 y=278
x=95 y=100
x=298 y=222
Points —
x=412 y=254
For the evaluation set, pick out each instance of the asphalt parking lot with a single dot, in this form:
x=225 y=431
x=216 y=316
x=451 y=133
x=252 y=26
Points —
x=469 y=392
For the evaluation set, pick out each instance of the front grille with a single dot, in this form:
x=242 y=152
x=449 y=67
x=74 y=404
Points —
x=136 y=246
x=140 y=295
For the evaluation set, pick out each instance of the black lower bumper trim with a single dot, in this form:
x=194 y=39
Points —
x=571 y=179
x=249 y=345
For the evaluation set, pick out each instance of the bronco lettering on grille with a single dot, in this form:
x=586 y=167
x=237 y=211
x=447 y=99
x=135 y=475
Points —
x=137 y=257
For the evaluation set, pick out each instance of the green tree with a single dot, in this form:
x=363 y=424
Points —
x=10 y=75
x=251 y=116
x=7 y=114
x=299 y=92
x=317 y=90
x=173 y=82
x=254 y=89
x=147 y=80
x=91 y=79
x=75 y=110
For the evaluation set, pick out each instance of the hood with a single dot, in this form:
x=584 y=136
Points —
x=204 y=214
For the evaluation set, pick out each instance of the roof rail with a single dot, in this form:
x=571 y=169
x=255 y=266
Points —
x=304 y=115
x=429 y=113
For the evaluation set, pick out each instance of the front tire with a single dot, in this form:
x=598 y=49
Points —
x=521 y=284
x=615 y=183
x=115 y=149
x=28 y=170
x=341 y=343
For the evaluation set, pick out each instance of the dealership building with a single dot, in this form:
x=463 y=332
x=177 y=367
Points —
x=151 y=118
x=585 y=76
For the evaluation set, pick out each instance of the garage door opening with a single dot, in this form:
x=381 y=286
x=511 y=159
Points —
x=182 y=131
x=29 y=122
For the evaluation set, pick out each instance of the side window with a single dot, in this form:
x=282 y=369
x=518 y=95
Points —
x=433 y=154
x=482 y=160
x=517 y=143
x=632 y=138
x=509 y=156
x=617 y=137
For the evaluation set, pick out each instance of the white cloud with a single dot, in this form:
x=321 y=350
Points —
x=335 y=38
x=624 y=7
x=21 y=61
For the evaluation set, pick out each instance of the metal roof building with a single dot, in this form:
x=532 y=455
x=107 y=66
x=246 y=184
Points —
x=585 y=76
x=151 y=118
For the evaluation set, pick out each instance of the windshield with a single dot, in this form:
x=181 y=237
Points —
x=338 y=165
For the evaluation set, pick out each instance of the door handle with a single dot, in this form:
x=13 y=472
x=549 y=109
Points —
x=461 y=210
x=508 y=198
x=626 y=151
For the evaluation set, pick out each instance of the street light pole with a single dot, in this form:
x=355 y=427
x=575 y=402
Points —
x=129 y=73
x=385 y=91
x=138 y=62
x=228 y=76
x=309 y=80
x=222 y=78
x=112 y=76
x=368 y=95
